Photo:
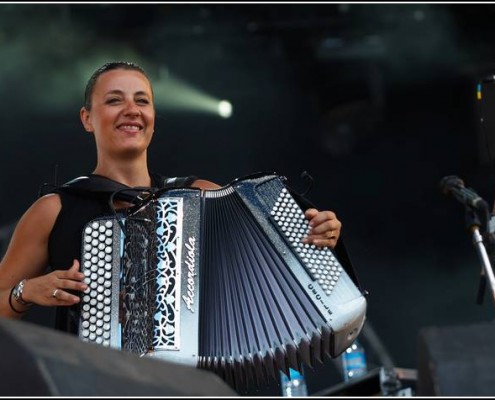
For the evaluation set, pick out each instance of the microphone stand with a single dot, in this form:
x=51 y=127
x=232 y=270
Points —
x=474 y=224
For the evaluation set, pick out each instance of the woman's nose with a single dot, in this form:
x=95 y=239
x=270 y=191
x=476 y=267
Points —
x=131 y=108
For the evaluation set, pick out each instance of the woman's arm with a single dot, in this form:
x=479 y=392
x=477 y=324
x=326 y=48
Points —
x=26 y=259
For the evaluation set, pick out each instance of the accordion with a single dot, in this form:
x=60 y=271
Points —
x=218 y=279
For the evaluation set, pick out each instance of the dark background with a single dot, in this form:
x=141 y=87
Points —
x=376 y=101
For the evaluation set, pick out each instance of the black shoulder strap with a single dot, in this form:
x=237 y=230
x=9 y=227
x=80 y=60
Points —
x=178 y=182
x=94 y=183
x=100 y=185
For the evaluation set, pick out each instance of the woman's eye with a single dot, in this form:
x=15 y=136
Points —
x=143 y=101
x=112 y=100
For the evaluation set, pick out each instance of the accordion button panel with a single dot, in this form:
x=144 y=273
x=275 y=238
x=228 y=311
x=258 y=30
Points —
x=94 y=325
x=320 y=263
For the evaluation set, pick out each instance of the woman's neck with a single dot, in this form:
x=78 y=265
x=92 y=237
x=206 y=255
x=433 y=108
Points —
x=128 y=173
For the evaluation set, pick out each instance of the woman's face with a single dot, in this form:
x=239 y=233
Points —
x=122 y=115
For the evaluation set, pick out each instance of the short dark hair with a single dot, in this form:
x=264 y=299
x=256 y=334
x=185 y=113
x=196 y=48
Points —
x=104 y=68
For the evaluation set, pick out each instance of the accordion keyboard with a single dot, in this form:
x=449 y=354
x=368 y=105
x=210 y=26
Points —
x=321 y=264
x=98 y=262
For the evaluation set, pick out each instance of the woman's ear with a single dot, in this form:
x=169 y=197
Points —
x=85 y=119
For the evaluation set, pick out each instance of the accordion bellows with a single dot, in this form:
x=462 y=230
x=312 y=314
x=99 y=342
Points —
x=218 y=279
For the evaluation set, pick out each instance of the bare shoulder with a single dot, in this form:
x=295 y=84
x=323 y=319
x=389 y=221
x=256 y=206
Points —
x=44 y=210
x=205 y=184
x=48 y=202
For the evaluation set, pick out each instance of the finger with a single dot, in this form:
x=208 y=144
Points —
x=325 y=236
x=62 y=297
x=310 y=213
x=320 y=242
x=75 y=265
x=324 y=228
x=75 y=269
x=68 y=284
x=321 y=217
x=72 y=273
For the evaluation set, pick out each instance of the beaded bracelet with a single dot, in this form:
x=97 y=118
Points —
x=10 y=302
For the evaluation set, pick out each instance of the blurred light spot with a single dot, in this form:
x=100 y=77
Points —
x=225 y=109
x=174 y=94
x=419 y=15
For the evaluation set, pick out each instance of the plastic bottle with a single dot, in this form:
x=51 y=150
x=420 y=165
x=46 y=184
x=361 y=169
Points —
x=354 y=361
x=390 y=384
x=295 y=386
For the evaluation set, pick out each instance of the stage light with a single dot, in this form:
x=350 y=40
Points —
x=225 y=109
x=176 y=95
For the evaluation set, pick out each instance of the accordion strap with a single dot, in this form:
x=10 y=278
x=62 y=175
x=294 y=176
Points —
x=178 y=182
x=100 y=185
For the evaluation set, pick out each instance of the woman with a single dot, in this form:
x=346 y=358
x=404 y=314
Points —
x=119 y=112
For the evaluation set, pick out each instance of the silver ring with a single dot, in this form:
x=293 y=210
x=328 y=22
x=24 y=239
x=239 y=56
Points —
x=54 y=294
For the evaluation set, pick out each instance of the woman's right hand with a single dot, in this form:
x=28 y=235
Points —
x=52 y=289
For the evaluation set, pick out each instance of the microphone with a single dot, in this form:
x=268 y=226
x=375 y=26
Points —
x=488 y=79
x=455 y=186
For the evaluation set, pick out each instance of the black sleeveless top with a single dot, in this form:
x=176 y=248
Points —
x=64 y=244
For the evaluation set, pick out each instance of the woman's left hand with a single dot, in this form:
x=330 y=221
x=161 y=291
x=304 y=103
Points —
x=324 y=228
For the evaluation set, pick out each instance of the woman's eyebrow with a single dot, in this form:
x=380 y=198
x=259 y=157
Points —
x=118 y=91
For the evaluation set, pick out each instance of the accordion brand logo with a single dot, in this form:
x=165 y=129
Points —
x=319 y=297
x=191 y=273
